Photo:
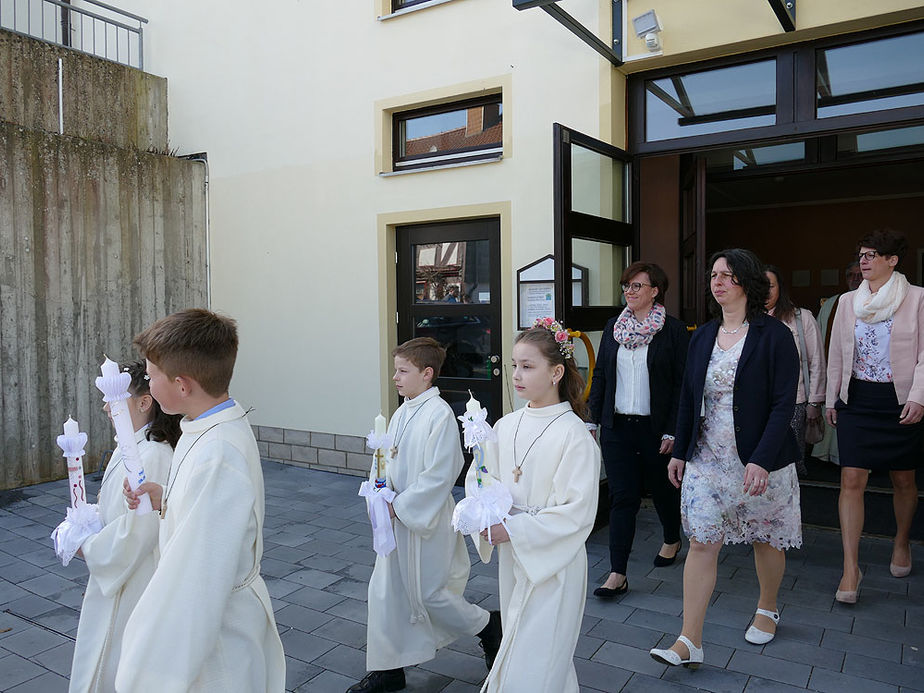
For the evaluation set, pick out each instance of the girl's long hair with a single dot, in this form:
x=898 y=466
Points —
x=164 y=428
x=571 y=385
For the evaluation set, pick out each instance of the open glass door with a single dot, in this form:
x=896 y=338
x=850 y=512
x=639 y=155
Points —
x=593 y=226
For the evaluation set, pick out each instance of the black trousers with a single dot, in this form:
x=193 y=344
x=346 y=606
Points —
x=633 y=464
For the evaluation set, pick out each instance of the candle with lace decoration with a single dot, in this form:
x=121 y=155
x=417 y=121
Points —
x=82 y=519
x=72 y=443
x=114 y=386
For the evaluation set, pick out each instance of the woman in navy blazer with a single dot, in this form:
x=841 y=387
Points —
x=633 y=396
x=734 y=449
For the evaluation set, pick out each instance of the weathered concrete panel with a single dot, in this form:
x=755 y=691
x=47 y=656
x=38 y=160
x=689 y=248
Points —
x=96 y=242
x=103 y=101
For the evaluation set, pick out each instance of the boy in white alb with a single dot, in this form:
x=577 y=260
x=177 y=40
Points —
x=415 y=592
x=205 y=622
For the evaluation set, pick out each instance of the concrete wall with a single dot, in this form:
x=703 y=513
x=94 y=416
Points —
x=96 y=241
x=103 y=101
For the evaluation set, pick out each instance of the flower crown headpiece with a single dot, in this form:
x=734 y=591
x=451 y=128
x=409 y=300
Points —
x=559 y=333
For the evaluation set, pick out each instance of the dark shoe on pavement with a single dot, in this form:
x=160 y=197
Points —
x=663 y=561
x=610 y=593
x=380 y=682
x=490 y=638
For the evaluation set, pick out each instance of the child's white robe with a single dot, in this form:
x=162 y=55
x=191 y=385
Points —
x=121 y=559
x=542 y=570
x=415 y=592
x=205 y=622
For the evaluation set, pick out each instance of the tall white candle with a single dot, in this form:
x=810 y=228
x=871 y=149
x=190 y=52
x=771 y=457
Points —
x=380 y=428
x=72 y=443
x=114 y=386
x=380 y=425
x=473 y=406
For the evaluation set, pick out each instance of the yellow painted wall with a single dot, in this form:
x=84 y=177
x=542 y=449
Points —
x=700 y=29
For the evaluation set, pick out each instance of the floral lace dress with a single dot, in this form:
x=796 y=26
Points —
x=713 y=503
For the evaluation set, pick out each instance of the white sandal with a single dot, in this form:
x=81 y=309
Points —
x=761 y=637
x=694 y=659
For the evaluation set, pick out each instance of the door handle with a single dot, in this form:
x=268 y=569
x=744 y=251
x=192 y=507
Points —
x=494 y=359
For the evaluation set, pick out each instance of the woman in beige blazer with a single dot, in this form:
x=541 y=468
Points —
x=875 y=396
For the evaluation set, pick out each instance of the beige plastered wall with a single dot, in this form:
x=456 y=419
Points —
x=290 y=106
x=702 y=29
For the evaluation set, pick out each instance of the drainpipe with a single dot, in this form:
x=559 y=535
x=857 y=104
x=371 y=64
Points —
x=204 y=158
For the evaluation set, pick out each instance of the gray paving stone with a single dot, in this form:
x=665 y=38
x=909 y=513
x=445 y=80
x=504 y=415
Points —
x=771 y=668
x=344 y=660
x=49 y=682
x=31 y=606
x=628 y=658
x=314 y=598
x=313 y=578
x=834 y=682
x=57 y=659
x=641 y=683
x=457 y=665
x=356 y=589
x=350 y=609
x=327 y=682
x=14 y=670
x=299 y=673
x=708 y=678
x=886 y=672
x=627 y=634
x=10 y=592
x=31 y=641
x=279 y=589
x=872 y=647
x=304 y=646
x=794 y=651
x=600 y=676
x=301 y=617
x=47 y=585
x=343 y=631
x=759 y=685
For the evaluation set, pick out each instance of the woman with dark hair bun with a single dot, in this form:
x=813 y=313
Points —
x=734 y=449
x=875 y=397
x=633 y=396
x=810 y=395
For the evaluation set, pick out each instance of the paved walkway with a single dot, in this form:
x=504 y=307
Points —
x=318 y=559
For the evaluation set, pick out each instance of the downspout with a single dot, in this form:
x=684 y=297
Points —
x=204 y=158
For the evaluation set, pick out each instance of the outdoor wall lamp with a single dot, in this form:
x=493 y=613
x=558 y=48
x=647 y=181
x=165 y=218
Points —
x=647 y=26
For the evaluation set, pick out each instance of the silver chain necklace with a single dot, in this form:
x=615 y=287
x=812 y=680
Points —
x=736 y=330
x=517 y=468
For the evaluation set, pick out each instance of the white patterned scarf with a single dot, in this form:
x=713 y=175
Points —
x=876 y=307
x=632 y=333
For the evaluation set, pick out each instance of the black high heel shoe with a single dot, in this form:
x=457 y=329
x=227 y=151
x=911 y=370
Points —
x=661 y=561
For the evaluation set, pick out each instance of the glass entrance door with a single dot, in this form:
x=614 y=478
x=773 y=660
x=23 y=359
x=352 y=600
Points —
x=449 y=289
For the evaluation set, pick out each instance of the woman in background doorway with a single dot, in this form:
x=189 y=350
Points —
x=875 y=397
x=810 y=396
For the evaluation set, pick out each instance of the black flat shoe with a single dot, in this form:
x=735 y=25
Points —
x=662 y=562
x=607 y=593
x=380 y=682
x=491 y=638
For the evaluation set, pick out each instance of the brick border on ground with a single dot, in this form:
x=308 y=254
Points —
x=328 y=452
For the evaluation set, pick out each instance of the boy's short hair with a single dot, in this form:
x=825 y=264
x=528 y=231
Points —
x=423 y=352
x=196 y=343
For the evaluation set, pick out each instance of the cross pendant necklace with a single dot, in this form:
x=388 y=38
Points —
x=518 y=468
x=394 y=448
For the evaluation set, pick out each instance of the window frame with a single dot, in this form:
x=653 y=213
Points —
x=450 y=157
x=796 y=115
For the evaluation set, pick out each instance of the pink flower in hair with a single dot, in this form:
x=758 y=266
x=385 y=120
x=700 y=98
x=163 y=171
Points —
x=561 y=336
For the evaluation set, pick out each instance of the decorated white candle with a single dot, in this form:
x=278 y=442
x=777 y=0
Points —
x=72 y=443
x=114 y=386
x=473 y=406
x=380 y=428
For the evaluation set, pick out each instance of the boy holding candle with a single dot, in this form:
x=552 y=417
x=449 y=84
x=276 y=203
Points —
x=415 y=592
x=205 y=621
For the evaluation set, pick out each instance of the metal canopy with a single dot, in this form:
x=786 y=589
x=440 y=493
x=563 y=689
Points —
x=785 y=11
x=612 y=53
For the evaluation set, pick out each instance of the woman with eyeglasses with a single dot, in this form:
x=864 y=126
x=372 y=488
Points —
x=735 y=449
x=875 y=397
x=633 y=396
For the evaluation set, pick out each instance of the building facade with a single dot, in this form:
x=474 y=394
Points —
x=382 y=169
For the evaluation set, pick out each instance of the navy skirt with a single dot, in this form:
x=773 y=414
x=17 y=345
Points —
x=869 y=435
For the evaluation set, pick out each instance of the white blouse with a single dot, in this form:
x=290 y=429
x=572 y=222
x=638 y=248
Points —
x=633 y=394
x=871 y=351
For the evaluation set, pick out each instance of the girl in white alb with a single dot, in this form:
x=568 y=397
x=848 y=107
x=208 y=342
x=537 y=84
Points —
x=121 y=558
x=551 y=465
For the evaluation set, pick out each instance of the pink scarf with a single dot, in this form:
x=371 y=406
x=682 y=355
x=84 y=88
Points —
x=632 y=334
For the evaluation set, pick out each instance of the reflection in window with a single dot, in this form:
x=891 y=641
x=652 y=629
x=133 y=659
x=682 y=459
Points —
x=597 y=184
x=448 y=134
x=454 y=272
x=603 y=264
x=853 y=143
x=699 y=103
x=754 y=157
x=467 y=339
x=871 y=76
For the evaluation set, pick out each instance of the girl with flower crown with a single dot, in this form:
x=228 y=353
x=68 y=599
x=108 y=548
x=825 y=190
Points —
x=551 y=465
x=121 y=558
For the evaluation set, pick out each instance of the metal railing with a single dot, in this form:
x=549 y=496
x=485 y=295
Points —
x=105 y=31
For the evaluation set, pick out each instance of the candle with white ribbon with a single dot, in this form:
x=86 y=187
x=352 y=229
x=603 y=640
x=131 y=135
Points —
x=72 y=443
x=377 y=493
x=114 y=386
x=82 y=519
